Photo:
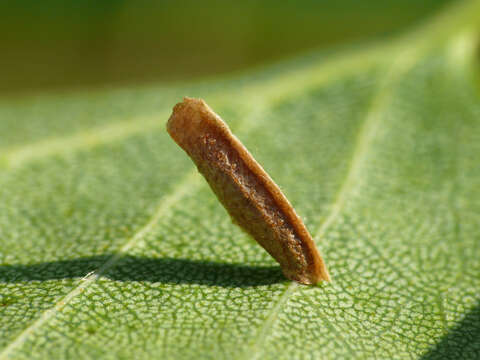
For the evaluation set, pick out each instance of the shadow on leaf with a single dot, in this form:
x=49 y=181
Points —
x=132 y=268
x=462 y=342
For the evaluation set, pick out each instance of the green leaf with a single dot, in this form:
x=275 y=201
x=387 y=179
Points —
x=113 y=246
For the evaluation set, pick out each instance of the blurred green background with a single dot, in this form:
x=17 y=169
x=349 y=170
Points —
x=65 y=44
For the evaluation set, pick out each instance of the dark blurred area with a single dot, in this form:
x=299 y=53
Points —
x=64 y=44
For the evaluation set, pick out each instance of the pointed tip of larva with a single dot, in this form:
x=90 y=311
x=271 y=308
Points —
x=323 y=280
x=326 y=278
x=315 y=276
x=317 y=272
x=325 y=275
x=309 y=278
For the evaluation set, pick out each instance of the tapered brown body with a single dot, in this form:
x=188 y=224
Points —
x=246 y=191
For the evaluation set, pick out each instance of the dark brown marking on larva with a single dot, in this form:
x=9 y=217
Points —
x=246 y=191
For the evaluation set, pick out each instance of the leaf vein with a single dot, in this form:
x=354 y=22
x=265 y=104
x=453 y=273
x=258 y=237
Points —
x=189 y=183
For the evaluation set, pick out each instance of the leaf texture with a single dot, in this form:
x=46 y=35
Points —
x=112 y=245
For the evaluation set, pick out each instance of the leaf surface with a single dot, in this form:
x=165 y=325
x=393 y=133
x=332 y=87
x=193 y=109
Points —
x=113 y=246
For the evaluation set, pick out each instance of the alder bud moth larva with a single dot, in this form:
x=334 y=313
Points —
x=246 y=191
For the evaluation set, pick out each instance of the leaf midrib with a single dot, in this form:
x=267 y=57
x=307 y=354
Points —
x=359 y=154
x=380 y=100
